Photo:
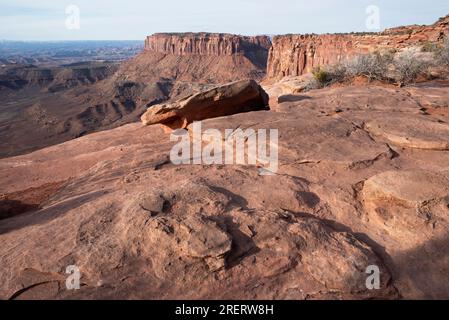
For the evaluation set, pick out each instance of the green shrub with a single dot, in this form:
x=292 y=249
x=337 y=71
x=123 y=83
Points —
x=321 y=76
x=331 y=74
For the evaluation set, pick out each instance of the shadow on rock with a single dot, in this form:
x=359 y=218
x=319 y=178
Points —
x=12 y=208
x=424 y=270
x=292 y=98
x=44 y=215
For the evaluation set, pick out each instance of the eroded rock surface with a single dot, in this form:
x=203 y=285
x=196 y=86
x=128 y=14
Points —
x=412 y=132
x=139 y=226
x=207 y=241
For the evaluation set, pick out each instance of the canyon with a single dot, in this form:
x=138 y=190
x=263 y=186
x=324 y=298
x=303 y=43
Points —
x=295 y=55
x=362 y=175
x=104 y=95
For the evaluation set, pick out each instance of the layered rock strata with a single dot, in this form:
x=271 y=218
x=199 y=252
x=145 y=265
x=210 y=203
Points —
x=294 y=55
x=205 y=43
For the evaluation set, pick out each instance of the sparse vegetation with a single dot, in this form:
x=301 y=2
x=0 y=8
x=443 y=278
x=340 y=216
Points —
x=442 y=55
x=430 y=47
x=321 y=76
x=373 y=66
x=409 y=66
x=403 y=68
x=312 y=84
x=338 y=72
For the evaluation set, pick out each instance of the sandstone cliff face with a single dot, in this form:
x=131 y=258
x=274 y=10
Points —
x=294 y=55
x=200 y=58
x=205 y=44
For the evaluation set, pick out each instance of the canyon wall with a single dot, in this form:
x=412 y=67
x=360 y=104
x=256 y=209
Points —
x=215 y=44
x=294 y=55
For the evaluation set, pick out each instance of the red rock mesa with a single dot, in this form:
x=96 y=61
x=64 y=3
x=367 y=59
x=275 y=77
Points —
x=200 y=58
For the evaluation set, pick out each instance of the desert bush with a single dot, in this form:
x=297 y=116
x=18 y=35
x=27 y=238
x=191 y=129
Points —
x=373 y=66
x=321 y=76
x=337 y=72
x=408 y=66
x=442 y=55
x=429 y=47
x=403 y=68
x=312 y=84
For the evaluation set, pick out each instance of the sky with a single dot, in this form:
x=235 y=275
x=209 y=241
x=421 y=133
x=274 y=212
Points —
x=42 y=20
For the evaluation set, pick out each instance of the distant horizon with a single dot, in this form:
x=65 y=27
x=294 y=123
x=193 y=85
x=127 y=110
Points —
x=101 y=20
x=80 y=40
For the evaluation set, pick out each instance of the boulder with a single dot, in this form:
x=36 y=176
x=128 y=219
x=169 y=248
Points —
x=232 y=98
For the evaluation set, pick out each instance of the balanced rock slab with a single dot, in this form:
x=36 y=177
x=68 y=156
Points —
x=232 y=98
